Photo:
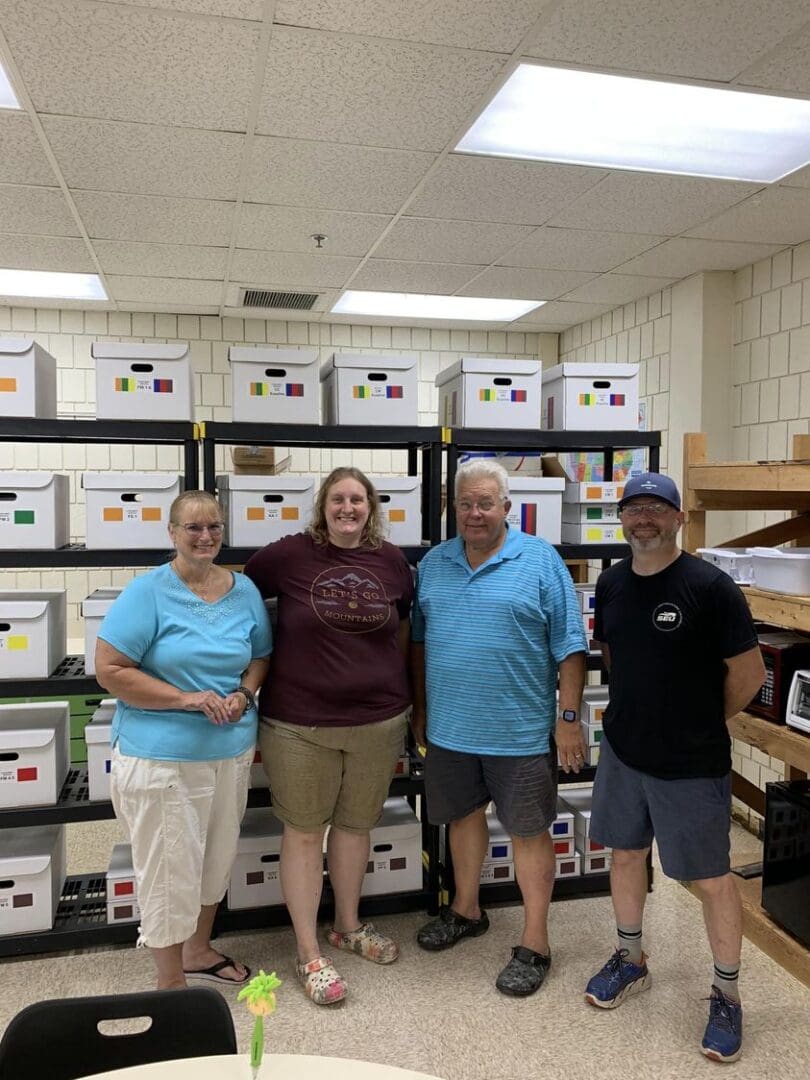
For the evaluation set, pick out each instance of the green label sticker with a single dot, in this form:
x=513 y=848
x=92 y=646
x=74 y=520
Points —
x=24 y=517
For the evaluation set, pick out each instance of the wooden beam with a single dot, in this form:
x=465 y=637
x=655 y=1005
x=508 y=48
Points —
x=792 y=747
x=694 y=528
x=781 y=532
x=779 y=609
x=748 y=793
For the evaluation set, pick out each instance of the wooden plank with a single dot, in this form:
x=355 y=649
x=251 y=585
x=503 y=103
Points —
x=748 y=793
x=771 y=485
x=779 y=609
x=781 y=532
x=786 y=744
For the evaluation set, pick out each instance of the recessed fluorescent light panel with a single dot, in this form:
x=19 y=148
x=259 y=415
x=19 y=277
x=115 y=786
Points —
x=423 y=306
x=45 y=285
x=8 y=99
x=584 y=118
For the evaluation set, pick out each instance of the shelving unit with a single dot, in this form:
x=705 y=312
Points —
x=759 y=485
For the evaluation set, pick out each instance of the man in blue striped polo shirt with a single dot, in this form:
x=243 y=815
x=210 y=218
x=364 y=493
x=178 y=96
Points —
x=495 y=623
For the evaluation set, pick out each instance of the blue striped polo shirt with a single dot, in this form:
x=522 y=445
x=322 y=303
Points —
x=493 y=640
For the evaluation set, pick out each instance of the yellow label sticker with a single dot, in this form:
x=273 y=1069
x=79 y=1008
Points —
x=17 y=642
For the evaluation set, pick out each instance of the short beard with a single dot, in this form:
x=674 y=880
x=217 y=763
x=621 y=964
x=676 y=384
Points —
x=664 y=538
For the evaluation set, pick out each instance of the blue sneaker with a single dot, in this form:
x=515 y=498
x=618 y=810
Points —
x=618 y=979
x=722 y=1040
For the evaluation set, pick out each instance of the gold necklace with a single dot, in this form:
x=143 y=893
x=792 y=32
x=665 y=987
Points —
x=200 y=590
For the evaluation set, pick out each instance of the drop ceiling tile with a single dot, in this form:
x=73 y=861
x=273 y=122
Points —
x=650 y=203
x=777 y=215
x=494 y=189
x=384 y=275
x=464 y=24
x=161 y=260
x=154 y=219
x=232 y=9
x=430 y=240
x=560 y=313
x=800 y=178
x=616 y=289
x=681 y=257
x=128 y=63
x=361 y=178
x=290 y=228
x=344 y=89
x=148 y=290
x=45 y=253
x=524 y=284
x=144 y=159
x=787 y=68
x=297 y=271
x=577 y=249
x=37 y=210
x=688 y=38
x=23 y=160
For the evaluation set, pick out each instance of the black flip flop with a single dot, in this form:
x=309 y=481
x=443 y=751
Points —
x=211 y=974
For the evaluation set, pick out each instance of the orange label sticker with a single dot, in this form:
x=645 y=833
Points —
x=255 y=513
x=593 y=493
x=396 y=515
x=112 y=513
x=289 y=513
x=151 y=513
x=8 y=386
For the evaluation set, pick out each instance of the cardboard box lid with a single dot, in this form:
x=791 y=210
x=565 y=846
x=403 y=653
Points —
x=479 y=365
x=591 y=371
x=384 y=484
x=368 y=362
x=26 y=851
x=28 y=481
x=497 y=833
x=397 y=822
x=100 y=601
x=595 y=694
x=124 y=350
x=29 y=738
x=98 y=731
x=260 y=831
x=258 y=482
x=123 y=481
x=21 y=606
x=15 y=346
x=267 y=357
x=120 y=862
x=34 y=714
x=525 y=485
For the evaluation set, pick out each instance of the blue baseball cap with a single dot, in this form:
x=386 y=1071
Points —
x=654 y=484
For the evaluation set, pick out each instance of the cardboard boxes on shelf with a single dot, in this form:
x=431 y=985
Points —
x=274 y=386
x=34 y=513
x=129 y=510
x=358 y=388
x=27 y=379
x=261 y=509
x=94 y=608
x=34 y=752
x=143 y=382
x=97 y=735
x=400 y=508
x=122 y=890
x=591 y=397
x=33 y=866
x=33 y=632
x=490 y=393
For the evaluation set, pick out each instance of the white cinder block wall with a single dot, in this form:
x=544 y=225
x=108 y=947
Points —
x=68 y=334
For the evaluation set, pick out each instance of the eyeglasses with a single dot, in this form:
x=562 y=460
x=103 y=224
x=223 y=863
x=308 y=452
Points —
x=655 y=509
x=483 y=506
x=193 y=528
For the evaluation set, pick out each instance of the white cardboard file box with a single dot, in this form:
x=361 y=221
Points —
x=592 y=734
x=597 y=862
x=497 y=873
x=33 y=511
x=590 y=513
x=499 y=847
x=34 y=752
x=587 y=596
x=258 y=777
x=395 y=859
x=568 y=866
x=33 y=632
x=363 y=389
x=591 y=397
x=27 y=379
x=563 y=847
x=563 y=825
x=94 y=608
x=255 y=880
x=536 y=506
x=274 y=386
x=400 y=507
x=97 y=735
x=122 y=891
x=490 y=393
x=594 y=702
x=261 y=509
x=143 y=382
x=129 y=510
x=609 y=532
x=32 y=875
x=782 y=570
x=736 y=562
x=593 y=491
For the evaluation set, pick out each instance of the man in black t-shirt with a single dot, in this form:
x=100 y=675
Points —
x=680 y=646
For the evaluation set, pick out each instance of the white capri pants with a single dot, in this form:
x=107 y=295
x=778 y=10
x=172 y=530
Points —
x=183 y=821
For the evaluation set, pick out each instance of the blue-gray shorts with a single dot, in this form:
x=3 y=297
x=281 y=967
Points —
x=524 y=789
x=690 y=819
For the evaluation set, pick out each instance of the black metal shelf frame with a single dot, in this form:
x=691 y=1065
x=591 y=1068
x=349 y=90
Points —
x=426 y=441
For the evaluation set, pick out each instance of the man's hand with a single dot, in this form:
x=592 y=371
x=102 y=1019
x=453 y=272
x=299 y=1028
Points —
x=418 y=725
x=570 y=746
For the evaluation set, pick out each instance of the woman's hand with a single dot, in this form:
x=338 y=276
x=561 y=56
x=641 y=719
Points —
x=236 y=705
x=211 y=704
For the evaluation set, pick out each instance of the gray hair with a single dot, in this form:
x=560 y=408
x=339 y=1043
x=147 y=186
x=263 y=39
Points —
x=483 y=469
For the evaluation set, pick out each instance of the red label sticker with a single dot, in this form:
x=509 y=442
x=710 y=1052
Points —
x=30 y=773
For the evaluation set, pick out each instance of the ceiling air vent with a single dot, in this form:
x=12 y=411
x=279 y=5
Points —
x=269 y=298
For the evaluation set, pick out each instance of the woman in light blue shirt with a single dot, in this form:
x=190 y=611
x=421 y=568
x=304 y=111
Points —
x=184 y=649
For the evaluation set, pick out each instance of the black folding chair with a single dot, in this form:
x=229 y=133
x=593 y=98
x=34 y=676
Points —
x=60 y=1039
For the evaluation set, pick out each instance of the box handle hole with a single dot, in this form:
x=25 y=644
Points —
x=146 y=368
x=275 y=372
x=377 y=376
x=502 y=381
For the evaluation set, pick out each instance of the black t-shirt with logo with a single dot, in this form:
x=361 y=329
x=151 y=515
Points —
x=668 y=636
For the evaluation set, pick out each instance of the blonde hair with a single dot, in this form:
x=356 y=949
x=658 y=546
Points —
x=373 y=534
x=199 y=498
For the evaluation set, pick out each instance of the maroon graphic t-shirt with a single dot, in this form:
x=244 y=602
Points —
x=336 y=657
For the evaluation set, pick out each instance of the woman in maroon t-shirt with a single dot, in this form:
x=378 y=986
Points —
x=334 y=711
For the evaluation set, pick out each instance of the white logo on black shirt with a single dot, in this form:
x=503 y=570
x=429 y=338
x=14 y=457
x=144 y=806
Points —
x=667 y=617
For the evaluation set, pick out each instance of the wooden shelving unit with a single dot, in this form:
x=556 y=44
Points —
x=759 y=485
